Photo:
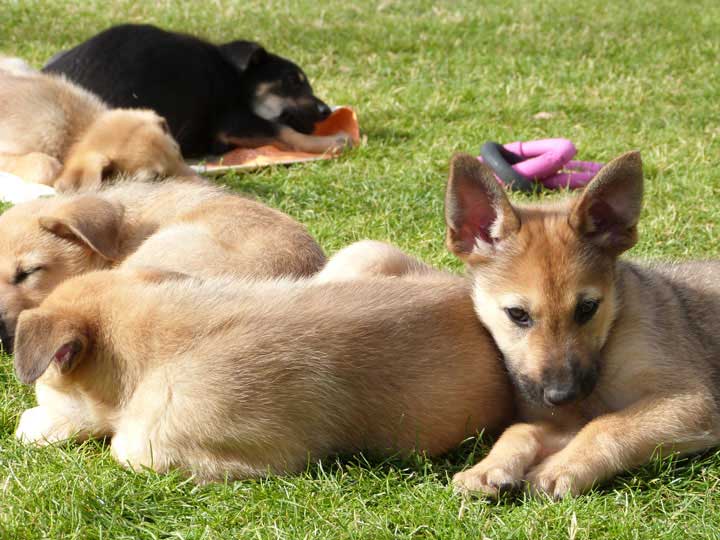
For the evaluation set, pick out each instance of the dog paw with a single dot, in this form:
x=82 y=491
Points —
x=38 y=168
x=339 y=142
x=490 y=479
x=344 y=140
x=555 y=480
x=38 y=427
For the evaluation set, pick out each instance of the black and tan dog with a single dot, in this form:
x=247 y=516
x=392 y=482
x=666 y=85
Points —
x=213 y=97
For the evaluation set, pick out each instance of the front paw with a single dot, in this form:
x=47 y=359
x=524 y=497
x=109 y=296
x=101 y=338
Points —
x=38 y=168
x=342 y=141
x=38 y=427
x=489 y=478
x=557 y=480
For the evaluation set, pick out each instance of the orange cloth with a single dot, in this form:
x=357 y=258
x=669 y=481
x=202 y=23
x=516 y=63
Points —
x=342 y=119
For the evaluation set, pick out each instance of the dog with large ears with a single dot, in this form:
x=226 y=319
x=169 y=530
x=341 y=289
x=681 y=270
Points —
x=230 y=378
x=612 y=360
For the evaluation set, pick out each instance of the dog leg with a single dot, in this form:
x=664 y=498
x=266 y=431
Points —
x=314 y=144
x=627 y=438
x=519 y=448
x=42 y=426
x=34 y=167
x=131 y=451
x=370 y=259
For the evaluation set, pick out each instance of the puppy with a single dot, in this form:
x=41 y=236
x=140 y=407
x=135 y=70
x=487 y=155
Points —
x=613 y=360
x=191 y=227
x=213 y=97
x=54 y=132
x=231 y=378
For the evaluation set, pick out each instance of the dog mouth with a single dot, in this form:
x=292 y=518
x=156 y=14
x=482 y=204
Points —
x=550 y=396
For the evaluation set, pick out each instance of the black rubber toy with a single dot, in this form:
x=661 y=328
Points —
x=501 y=161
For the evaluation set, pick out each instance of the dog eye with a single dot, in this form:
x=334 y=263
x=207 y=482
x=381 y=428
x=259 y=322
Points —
x=586 y=310
x=22 y=274
x=519 y=316
x=164 y=126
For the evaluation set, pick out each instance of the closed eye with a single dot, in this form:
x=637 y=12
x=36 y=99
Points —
x=21 y=274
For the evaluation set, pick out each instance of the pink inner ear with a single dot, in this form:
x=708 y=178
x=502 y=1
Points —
x=479 y=220
x=604 y=218
x=65 y=354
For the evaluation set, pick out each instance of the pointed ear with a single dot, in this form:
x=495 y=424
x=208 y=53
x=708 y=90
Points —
x=243 y=54
x=88 y=220
x=42 y=338
x=84 y=172
x=608 y=211
x=478 y=213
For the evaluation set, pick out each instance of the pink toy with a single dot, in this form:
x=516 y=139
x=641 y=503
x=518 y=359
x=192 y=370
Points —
x=548 y=161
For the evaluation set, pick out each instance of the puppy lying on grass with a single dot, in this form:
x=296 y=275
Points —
x=238 y=378
x=191 y=226
x=55 y=133
x=613 y=360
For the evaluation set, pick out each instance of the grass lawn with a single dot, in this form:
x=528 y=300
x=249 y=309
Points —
x=427 y=79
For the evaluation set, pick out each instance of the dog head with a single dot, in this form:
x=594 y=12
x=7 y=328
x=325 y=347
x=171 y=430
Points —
x=128 y=141
x=544 y=274
x=44 y=242
x=280 y=91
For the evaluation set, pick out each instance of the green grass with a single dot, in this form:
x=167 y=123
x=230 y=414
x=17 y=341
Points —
x=427 y=79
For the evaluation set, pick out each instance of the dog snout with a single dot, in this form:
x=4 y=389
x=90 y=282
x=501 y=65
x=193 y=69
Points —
x=560 y=394
x=573 y=381
x=323 y=110
x=6 y=339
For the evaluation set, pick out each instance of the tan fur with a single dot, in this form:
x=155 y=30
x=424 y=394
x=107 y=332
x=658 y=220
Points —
x=47 y=123
x=238 y=378
x=371 y=259
x=650 y=354
x=189 y=227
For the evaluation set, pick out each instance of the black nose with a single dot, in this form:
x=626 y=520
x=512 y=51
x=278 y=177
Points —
x=323 y=110
x=560 y=394
x=6 y=340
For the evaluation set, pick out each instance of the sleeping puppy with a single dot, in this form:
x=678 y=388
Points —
x=226 y=378
x=54 y=132
x=198 y=228
x=213 y=97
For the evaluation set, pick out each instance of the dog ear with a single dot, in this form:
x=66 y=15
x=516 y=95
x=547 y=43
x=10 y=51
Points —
x=42 y=338
x=243 y=54
x=478 y=213
x=85 y=172
x=88 y=220
x=608 y=211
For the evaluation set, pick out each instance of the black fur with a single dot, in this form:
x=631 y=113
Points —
x=205 y=91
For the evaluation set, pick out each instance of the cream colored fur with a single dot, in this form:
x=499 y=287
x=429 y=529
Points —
x=190 y=227
x=56 y=133
x=224 y=377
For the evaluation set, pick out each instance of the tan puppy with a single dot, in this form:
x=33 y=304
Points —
x=47 y=123
x=192 y=227
x=613 y=360
x=229 y=377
